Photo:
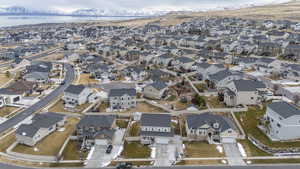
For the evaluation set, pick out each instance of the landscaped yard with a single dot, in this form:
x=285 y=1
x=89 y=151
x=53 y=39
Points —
x=59 y=107
x=201 y=149
x=249 y=121
x=201 y=87
x=51 y=144
x=71 y=152
x=251 y=149
x=135 y=150
x=6 y=110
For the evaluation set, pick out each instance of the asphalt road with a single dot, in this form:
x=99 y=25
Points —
x=5 y=166
x=70 y=75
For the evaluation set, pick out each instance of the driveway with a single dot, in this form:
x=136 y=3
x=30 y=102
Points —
x=233 y=154
x=100 y=158
x=166 y=154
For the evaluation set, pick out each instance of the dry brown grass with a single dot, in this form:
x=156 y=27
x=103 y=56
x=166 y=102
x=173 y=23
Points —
x=144 y=107
x=6 y=110
x=199 y=162
x=201 y=149
x=85 y=79
x=51 y=144
x=59 y=107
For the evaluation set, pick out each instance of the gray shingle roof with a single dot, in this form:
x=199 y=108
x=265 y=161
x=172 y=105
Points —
x=284 y=109
x=248 y=85
x=75 y=89
x=184 y=59
x=197 y=120
x=156 y=120
x=39 y=121
x=159 y=85
x=101 y=121
x=122 y=92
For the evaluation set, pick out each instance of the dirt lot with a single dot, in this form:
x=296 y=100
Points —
x=51 y=144
x=85 y=79
x=144 y=107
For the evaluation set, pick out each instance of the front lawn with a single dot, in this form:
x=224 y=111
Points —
x=71 y=151
x=6 y=110
x=60 y=107
x=135 y=150
x=249 y=121
x=201 y=149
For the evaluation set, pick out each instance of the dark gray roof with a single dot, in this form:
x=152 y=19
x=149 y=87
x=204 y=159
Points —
x=156 y=120
x=197 y=120
x=223 y=74
x=203 y=65
x=284 y=109
x=248 y=85
x=75 y=89
x=39 y=121
x=122 y=92
x=101 y=121
x=159 y=85
x=184 y=59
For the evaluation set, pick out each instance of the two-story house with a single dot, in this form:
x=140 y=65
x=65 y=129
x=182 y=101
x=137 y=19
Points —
x=76 y=95
x=244 y=92
x=155 y=90
x=283 y=121
x=122 y=98
x=96 y=129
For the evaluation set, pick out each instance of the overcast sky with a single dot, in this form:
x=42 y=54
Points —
x=128 y=4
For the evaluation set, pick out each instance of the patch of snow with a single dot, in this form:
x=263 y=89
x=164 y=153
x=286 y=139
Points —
x=249 y=162
x=174 y=121
x=153 y=152
x=91 y=153
x=35 y=149
x=242 y=150
x=224 y=161
x=220 y=149
x=61 y=129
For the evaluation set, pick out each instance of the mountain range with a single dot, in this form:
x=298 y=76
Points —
x=17 y=10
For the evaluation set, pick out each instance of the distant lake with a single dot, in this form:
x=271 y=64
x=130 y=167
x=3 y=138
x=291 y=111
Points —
x=16 y=20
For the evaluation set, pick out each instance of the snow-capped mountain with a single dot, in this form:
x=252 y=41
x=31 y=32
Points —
x=83 y=12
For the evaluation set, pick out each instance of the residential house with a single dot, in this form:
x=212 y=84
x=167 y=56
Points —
x=244 y=92
x=210 y=127
x=282 y=121
x=41 y=126
x=76 y=95
x=156 y=128
x=96 y=129
x=222 y=78
x=156 y=90
x=122 y=98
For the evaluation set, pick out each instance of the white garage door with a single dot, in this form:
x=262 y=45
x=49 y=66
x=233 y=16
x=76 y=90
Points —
x=161 y=140
x=101 y=142
x=228 y=140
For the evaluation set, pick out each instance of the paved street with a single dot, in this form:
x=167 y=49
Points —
x=70 y=75
x=233 y=154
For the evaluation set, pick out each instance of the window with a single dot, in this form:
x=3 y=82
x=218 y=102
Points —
x=252 y=98
x=278 y=125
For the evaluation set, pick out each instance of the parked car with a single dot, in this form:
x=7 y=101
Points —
x=109 y=148
x=124 y=165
